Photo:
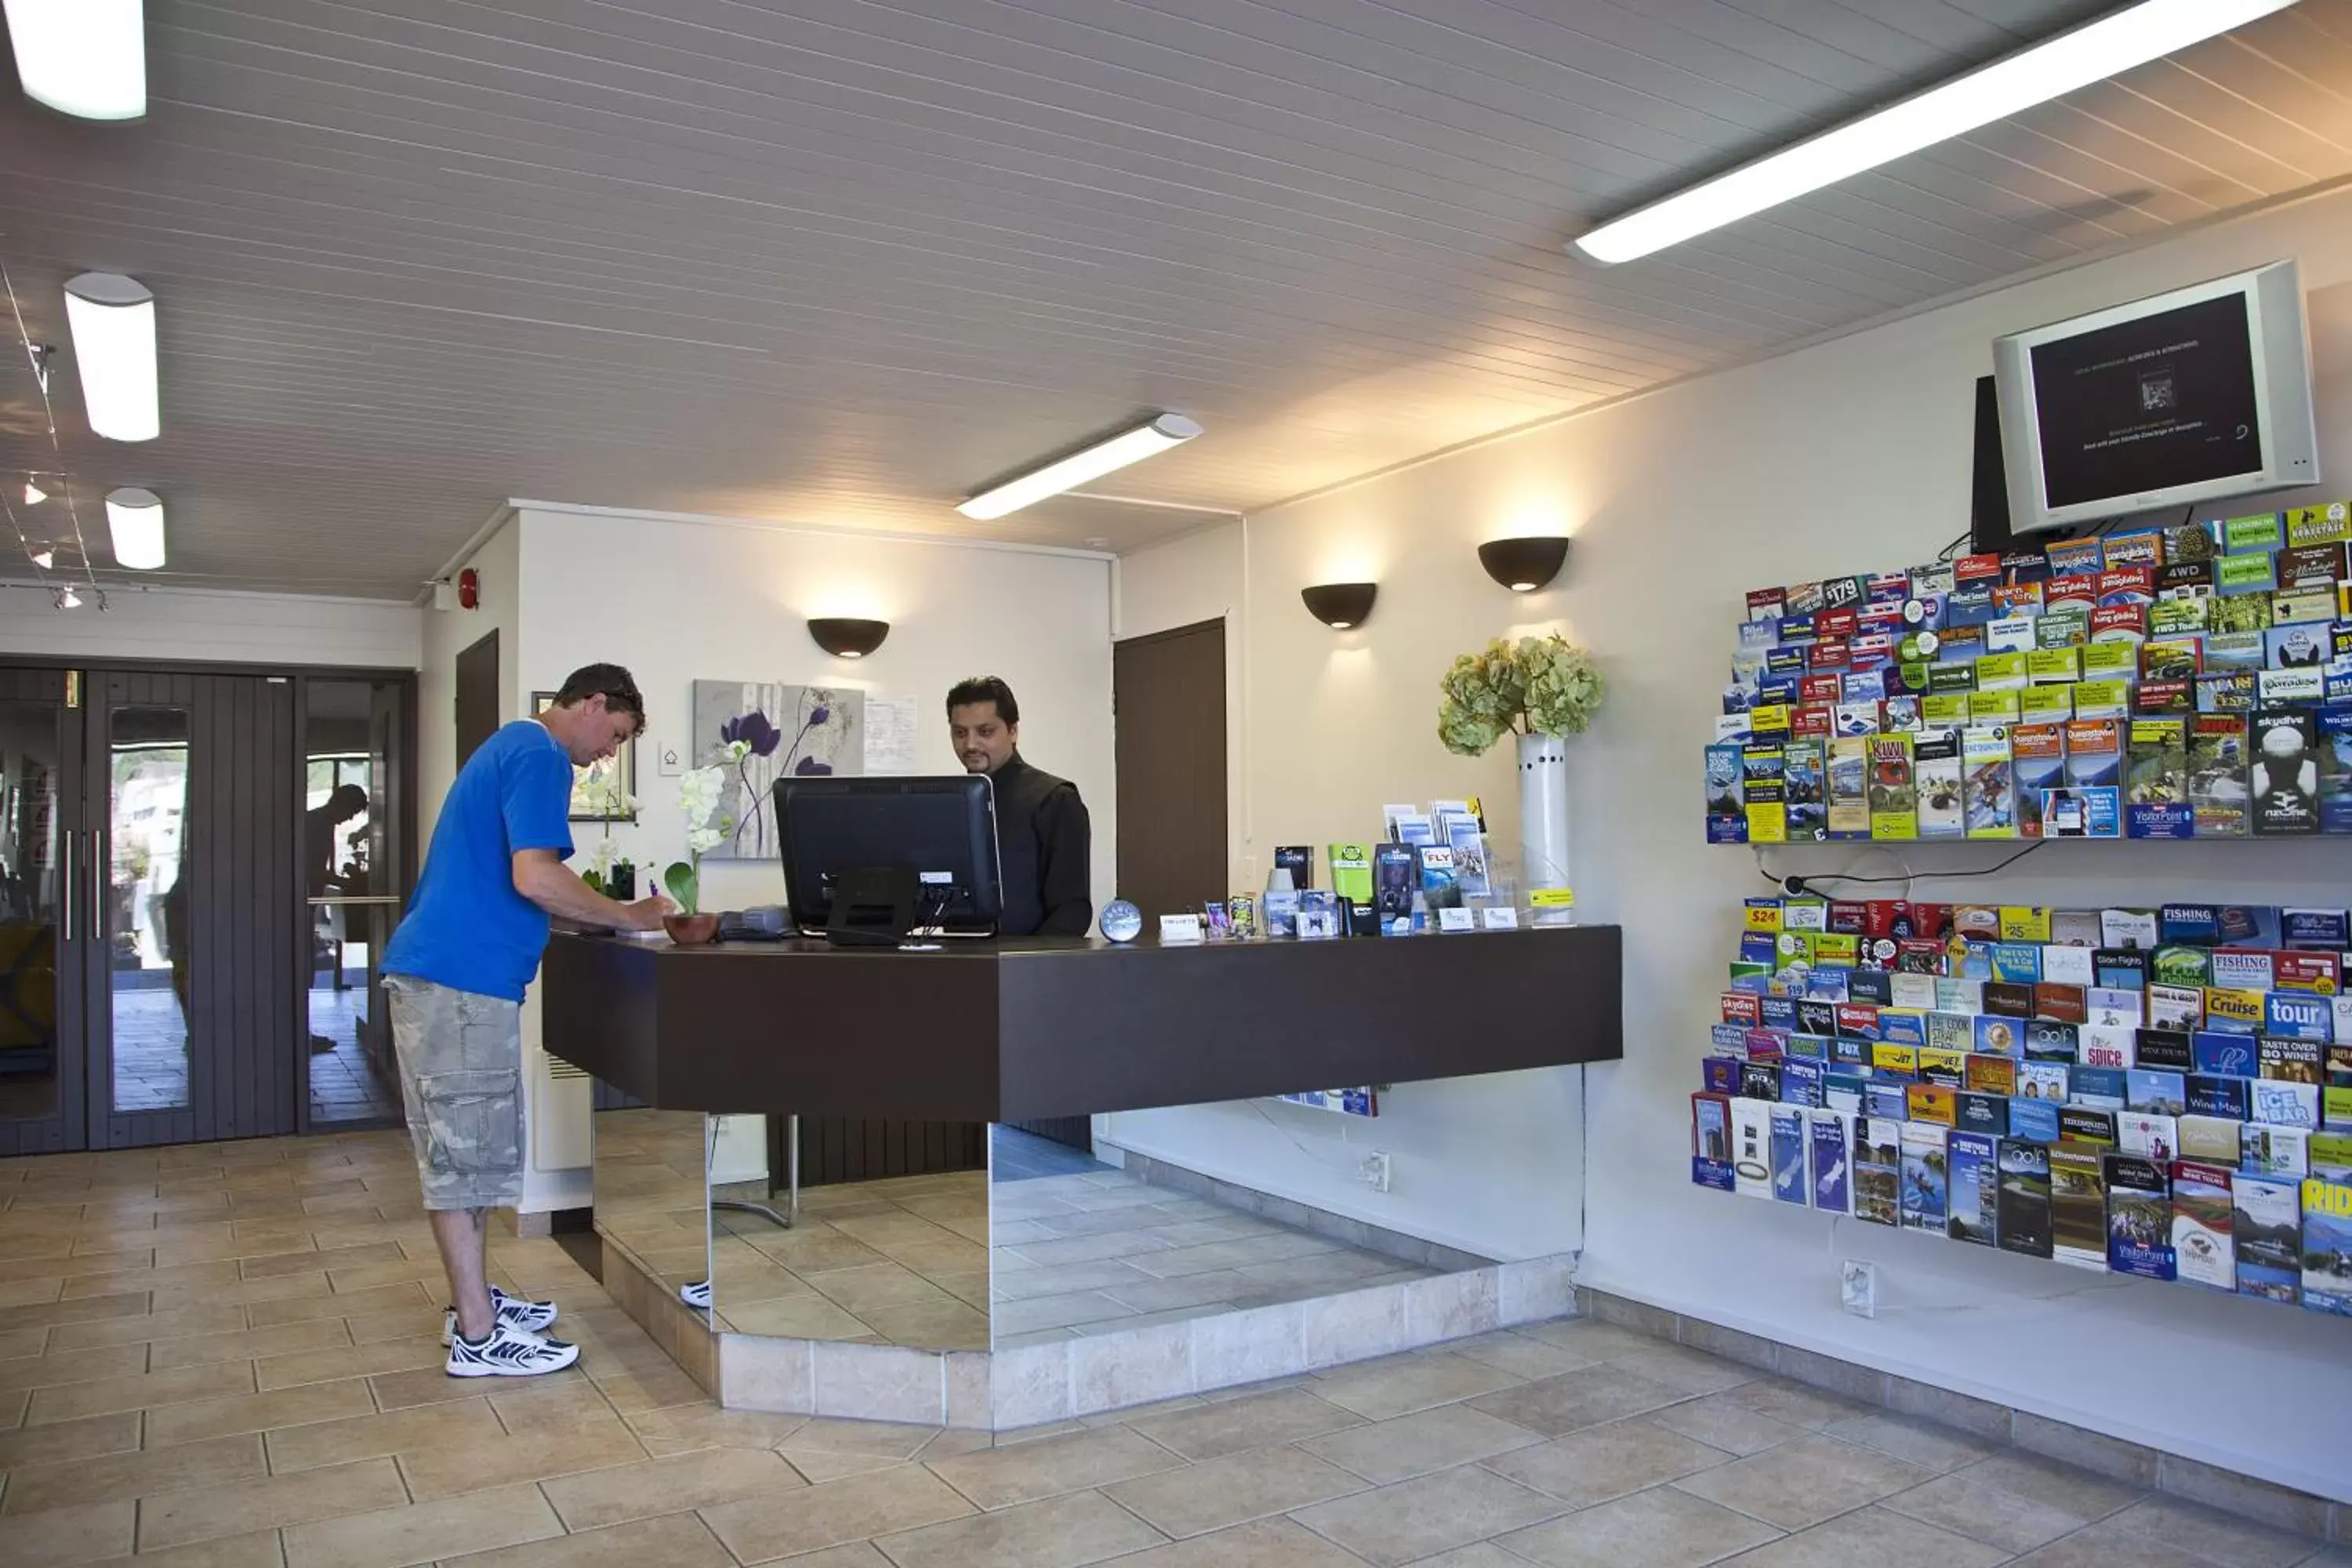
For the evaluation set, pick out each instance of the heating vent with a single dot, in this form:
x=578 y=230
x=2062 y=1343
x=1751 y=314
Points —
x=559 y=1069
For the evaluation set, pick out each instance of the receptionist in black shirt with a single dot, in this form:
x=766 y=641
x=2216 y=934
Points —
x=1043 y=836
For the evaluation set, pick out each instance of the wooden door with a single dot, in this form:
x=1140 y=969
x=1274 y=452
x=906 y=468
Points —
x=478 y=707
x=1168 y=699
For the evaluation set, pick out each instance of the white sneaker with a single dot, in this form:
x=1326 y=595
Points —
x=696 y=1294
x=509 y=1353
x=513 y=1313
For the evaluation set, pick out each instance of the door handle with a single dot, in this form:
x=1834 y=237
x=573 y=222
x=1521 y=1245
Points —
x=66 y=883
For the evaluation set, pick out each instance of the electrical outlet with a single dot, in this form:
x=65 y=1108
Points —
x=1374 y=1172
x=1858 y=1288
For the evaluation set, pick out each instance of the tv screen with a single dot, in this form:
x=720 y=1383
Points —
x=2198 y=395
x=2166 y=400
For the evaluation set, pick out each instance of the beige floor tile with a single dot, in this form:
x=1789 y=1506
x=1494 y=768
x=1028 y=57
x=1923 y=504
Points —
x=655 y=1486
x=356 y=1304
x=1871 y=1537
x=425 y=1271
x=106 y=1478
x=431 y=1385
x=1601 y=1341
x=71 y=1366
x=198 y=1277
x=1270 y=1543
x=817 y=1467
x=58 y=1536
x=63 y=1440
x=148 y=1391
x=65 y=1265
x=258 y=1412
x=252 y=1292
x=1061 y=1533
x=1606 y=1461
x=882 y=1439
x=406 y=1322
x=1795 y=1403
x=29 y=1292
x=643 y=1386
x=1259 y=1421
x=1423 y=1517
x=1721 y=1421
x=249 y=1344
x=1557 y=1405
x=1420 y=1444
x=269 y=1502
x=1805 y=1481
x=351 y=1361
x=2095 y=1548
x=19 y=1342
x=53 y=1310
x=316 y=1260
x=421 y=1532
x=133 y=1328
x=534 y=1451
x=999 y=1478
x=1926 y=1443
x=1523 y=1356
x=905 y=1496
x=682 y=1428
x=1686 y=1371
x=414 y=1430
x=678 y=1541
x=258 y=1549
x=2218 y=1537
x=1658 y=1529
x=12 y=1408
x=1408 y=1384
x=810 y=1317
x=1232 y=1490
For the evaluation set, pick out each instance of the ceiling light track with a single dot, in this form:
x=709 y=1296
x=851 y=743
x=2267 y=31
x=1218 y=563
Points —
x=44 y=558
x=2056 y=65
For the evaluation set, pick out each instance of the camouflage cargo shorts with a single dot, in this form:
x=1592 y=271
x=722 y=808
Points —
x=460 y=1078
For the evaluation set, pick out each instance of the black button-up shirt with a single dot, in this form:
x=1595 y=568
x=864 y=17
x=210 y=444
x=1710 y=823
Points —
x=1044 y=845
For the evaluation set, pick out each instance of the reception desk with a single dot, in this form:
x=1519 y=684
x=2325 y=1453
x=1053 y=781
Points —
x=1030 y=1028
x=1039 y=1281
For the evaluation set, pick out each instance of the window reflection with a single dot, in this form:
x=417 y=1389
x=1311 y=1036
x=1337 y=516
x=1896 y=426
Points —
x=346 y=729
x=147 y=920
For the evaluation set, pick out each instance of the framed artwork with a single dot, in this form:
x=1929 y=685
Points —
x=620 y=769
x=791 y=730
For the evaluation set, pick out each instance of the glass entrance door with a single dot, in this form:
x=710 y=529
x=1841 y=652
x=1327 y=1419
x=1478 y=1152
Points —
x=44 y=894
x=354 y=735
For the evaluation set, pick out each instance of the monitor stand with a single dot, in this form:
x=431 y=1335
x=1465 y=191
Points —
x=873 y=906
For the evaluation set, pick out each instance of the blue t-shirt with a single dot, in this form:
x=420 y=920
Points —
x=467 y=927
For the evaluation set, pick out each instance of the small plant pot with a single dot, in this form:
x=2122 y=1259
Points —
x=690 y=931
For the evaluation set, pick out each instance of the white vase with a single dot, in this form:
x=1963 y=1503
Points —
x=1543 y=811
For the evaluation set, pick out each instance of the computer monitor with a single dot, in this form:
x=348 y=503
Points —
x=869 y=858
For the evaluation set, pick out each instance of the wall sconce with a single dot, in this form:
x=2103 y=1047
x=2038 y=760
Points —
x=1340 y=605
x=844 y=637
x=1524 y=566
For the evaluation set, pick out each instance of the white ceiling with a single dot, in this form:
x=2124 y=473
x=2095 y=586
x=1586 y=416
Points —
x=842 y=261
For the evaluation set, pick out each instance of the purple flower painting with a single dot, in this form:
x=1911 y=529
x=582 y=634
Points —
x=797 y=731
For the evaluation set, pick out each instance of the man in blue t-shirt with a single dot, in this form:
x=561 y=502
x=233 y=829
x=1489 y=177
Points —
x=454 y=972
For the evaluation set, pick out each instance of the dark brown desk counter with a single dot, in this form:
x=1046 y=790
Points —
x=1030 y=1028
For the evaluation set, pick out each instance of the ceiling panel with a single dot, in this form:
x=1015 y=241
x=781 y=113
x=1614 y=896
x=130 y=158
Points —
x=839 y=262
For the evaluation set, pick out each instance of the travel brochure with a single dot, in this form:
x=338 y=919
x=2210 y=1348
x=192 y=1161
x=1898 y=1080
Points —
x=1430 y=872
x=2159 y=1092
x=2184 y=682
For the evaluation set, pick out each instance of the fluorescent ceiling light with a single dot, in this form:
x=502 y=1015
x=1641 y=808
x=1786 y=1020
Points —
x=135 y=518
x=34 y=494
x=84 y=58
x=2049 y=69
x=1129 y=447
x=113 y=323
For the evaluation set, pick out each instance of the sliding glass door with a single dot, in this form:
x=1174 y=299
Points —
x=44 y=902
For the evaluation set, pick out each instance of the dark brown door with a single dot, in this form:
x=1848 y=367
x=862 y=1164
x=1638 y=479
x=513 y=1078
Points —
x=478 y=696
x=1168 y=698
x=45 y=892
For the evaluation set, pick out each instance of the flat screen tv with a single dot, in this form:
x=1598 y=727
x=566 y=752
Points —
x=2194 y=396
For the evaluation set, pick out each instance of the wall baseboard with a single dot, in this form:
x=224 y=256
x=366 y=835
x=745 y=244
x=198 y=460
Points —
x=2134 y=1464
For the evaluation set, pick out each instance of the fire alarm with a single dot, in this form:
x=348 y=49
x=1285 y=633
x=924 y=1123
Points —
x=469 y=589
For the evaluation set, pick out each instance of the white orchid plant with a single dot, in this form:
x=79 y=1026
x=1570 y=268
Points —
x=604 y=796
x=701 y=794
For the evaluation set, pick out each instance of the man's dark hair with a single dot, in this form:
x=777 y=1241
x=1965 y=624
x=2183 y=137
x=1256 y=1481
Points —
x=617 y=686
x=985 y=688
x=348 y=801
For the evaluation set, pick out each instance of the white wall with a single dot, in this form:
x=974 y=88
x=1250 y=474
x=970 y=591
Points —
x=1849 y=457
x=213 y=627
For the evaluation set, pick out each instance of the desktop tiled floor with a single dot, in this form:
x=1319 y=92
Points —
x=225 y=1355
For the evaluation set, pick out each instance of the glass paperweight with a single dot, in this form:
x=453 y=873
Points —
x=1121 y=922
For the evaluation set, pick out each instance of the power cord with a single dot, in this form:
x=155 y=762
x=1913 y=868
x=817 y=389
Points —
x=1797 y=885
